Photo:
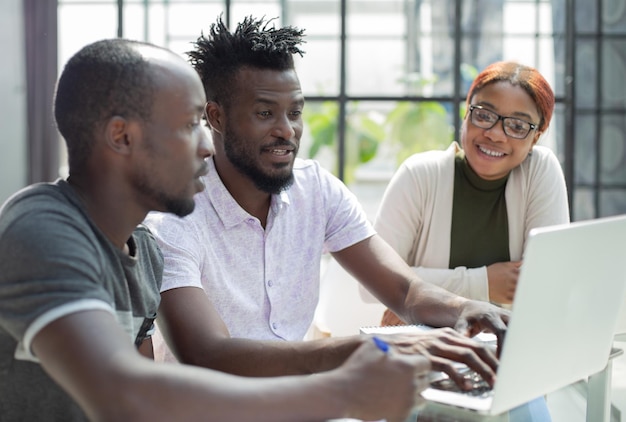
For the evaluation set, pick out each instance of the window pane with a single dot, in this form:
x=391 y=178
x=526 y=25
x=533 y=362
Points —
x=382 y=134
x=317 y=17
x=257 y=9
x=586 y=15
x=584 y=204
x=612 y=202
x=482 y=36
x=558 y=15
x=520 y=18
x=521 y=49
x=375 y=67
x=187 y=20
x=399 y=129
x=546 y=22
x=318 y=69
x=438 y=66
x=613 y=150
x=560 y=68
x=376 y=18
x=320 y=137
x=586 y=74
x=554 y=138
x=157 y=21
x=613 y=73
x=614 y=16
x=135 y=22
x=81 y=24
x=585 y=158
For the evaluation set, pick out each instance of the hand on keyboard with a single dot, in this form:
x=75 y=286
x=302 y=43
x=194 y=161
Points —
x=478 y=386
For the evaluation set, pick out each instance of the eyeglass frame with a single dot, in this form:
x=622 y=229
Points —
x=473 y=107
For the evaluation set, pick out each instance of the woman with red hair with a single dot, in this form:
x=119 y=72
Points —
x=460 y=217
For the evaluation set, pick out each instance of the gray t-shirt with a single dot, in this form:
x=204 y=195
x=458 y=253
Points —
x=53 y=262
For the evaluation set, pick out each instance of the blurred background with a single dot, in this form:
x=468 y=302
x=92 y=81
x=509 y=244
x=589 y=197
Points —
x=383 y=79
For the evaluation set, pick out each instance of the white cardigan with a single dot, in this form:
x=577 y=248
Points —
x=415 y=215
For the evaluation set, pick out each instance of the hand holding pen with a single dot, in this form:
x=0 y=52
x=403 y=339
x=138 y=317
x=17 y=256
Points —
x=384 y=385
x=381 y=344
x=384 y=347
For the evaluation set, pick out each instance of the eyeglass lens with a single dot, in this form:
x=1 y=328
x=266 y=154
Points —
x=486 y=119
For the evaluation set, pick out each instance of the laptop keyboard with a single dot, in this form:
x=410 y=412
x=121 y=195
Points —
x=480 y=388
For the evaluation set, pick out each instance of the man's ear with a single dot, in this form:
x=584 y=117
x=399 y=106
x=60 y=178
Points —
x=119 y=134
x=215 y=116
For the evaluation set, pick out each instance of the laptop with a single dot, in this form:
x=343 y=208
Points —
x=620 y=331
x=570 y=292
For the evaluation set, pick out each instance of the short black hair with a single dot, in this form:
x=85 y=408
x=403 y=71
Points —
x=255 y=43
x=104 y=79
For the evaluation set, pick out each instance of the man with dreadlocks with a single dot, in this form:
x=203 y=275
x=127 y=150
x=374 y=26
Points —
x=241 y=278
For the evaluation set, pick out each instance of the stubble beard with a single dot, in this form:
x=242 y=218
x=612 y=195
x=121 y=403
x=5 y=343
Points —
x=178 y=205
x=244 y=160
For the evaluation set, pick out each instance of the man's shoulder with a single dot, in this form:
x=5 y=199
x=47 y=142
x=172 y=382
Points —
x=306 y=165
x=310 y=177
x=38 y=200
x=304 y=168
x=38 y=192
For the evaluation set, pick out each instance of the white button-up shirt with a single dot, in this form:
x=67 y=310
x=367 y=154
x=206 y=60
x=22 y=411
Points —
x=263 y=282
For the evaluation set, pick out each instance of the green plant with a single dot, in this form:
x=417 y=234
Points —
x=418 y=126
x=410 y=127
x=363 y=135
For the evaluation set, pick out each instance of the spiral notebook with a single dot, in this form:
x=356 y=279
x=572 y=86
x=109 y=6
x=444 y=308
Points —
x=570 y=292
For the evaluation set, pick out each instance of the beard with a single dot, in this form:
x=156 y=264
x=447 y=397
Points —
x=179 y=205
x=244 y=159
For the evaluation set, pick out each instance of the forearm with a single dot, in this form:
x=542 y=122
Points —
x=179 y=392
x=383 y=272
x=471 y=283
x=428 y=304
x=196 y=335
x=272 y=358
x=111 y=381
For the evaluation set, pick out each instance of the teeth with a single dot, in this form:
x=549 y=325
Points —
x=280 y=151
x=491 y=153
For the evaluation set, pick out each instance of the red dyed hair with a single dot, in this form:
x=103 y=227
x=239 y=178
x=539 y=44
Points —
x=527 y=78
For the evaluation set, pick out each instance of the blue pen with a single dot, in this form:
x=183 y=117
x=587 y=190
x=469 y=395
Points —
x=382 y=345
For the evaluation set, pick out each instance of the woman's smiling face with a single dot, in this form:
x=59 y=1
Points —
x=490 y=152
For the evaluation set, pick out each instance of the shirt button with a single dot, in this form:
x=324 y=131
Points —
x=270 y=283
x=274 y=325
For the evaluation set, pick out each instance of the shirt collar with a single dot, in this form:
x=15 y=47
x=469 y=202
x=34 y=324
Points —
x=228 y=210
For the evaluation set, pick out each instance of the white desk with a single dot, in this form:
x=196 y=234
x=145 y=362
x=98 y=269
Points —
x=599 y=392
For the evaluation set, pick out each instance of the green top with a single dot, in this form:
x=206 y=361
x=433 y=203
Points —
x=480 y=231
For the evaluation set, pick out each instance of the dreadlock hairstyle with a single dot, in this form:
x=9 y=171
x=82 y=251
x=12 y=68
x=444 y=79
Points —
x=104 y=79
x=526 y=77
x=218 y=57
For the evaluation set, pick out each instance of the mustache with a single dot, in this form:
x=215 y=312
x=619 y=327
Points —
x=282 y=143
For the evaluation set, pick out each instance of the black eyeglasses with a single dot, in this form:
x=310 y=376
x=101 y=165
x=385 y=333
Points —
x=512 y=126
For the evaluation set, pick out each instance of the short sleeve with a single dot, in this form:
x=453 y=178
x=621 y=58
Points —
x=181 y=251
x=347 y=222
x=49 y=267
